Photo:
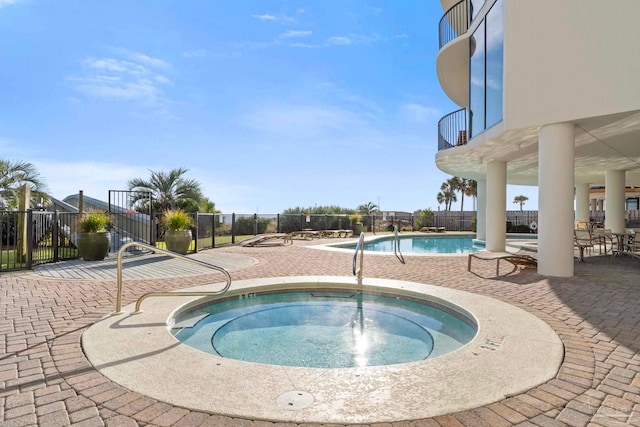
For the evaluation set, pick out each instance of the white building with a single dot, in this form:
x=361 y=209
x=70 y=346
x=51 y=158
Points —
x=549 y=92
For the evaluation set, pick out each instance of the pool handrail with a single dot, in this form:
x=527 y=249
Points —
x=165 y=294
x=359 y=247
x=396 y=245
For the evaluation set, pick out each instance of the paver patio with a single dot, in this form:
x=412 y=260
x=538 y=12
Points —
x=45 y=379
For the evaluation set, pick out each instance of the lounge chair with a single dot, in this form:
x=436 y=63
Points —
x=263 y=238
x=306 y=234
x=517 y=260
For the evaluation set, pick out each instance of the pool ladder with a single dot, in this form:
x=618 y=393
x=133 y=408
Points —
x=359 y=248
x=166 y=294
x=396 y=245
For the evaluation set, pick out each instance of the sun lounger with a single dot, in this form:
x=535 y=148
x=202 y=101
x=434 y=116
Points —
x=306 y=234
x=518 y=260
x=263 y=238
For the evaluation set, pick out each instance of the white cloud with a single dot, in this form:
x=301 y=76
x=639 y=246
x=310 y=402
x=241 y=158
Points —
x=67 y=178
x=293 y=33
x=417 y=113
x=149 y=61
x=4 y=3
x=134 y=79
x=339 y=40
x=265 y=17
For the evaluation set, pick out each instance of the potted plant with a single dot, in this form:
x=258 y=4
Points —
x=178 y=225
x=93 y=237
x=356 y=224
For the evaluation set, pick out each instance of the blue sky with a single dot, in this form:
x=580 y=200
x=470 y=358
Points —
x=269 y=104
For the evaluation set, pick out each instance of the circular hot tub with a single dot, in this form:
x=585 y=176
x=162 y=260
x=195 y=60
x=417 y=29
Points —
x=511 y=351
x=324 y=328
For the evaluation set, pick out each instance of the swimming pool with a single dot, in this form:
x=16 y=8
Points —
x=321 y=329
x=420 y=244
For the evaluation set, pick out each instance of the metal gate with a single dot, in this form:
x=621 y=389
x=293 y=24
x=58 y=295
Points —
x=133 y=219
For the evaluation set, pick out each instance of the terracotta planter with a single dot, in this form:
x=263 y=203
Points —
x=178 y=241
x=93 y=246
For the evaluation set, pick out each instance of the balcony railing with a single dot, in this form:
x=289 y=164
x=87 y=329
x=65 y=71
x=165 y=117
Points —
x=452 y=130
x=454 y=22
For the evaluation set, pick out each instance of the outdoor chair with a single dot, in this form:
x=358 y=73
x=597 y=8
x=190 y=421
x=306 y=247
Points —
x=630 y=245
x=603 y=236
x=583 y=240
x=517 y=260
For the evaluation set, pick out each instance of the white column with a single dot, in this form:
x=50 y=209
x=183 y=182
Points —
x=496 y=206
x=556 y=146
x=614 y=210
x=582 y=203
x=481 y=214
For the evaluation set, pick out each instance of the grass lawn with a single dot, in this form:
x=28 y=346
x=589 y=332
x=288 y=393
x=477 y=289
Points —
x=8 y=260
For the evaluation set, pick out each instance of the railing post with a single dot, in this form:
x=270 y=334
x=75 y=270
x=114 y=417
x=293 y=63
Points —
x=55 y=237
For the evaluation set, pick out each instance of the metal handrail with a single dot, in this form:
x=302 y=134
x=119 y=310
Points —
x=454 y=22
x=359 y=247
x=165 y=294
x=452 y=130
x=396 y=246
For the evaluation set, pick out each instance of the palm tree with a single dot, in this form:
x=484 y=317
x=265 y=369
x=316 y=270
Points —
x=520 y=200
x=472 y=190
x=169 y=190
x=14 y=175
x=447 y=194
x=207 y=206
x=368 y=208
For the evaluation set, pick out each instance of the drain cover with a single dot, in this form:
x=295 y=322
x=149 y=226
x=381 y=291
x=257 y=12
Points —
x=295 y=399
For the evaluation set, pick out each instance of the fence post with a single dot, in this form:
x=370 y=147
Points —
x=255 y=224
x=278 y=223
x=30 y=244
x=195 y=243
x=213 y=230
x=233 y=228
x=55 y=237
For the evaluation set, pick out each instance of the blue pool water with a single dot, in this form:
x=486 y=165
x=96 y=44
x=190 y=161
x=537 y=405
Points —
x=324 y=330
x=423 y=245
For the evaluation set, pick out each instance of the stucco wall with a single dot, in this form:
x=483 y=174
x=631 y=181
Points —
x=570 y=59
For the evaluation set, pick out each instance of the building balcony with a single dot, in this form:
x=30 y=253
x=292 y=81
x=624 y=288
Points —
x=452 y=62
x=454 y=23
x=452 y=130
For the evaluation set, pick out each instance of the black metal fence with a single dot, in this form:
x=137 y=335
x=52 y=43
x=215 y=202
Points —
x=132 y=216
x=51 y=235
x=49 y=238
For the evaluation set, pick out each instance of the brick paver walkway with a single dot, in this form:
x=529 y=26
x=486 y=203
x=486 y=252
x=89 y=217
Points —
x=45 y=379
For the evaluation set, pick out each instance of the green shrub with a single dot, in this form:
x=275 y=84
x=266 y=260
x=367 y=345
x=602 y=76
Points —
x=94 y=222
x=176 y=220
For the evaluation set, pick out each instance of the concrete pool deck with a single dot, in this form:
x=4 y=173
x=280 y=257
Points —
x=46 y=379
